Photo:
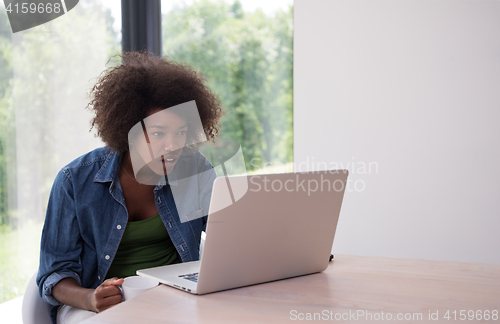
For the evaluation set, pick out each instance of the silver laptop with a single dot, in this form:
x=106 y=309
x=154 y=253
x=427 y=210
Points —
x=276 y=226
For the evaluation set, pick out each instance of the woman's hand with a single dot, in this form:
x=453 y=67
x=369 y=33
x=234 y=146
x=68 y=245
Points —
x=106 y=295
x=69 y=292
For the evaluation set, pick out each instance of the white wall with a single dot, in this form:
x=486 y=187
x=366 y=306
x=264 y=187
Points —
x=414 y=88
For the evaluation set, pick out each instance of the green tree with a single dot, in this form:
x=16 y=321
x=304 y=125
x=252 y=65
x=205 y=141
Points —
x=248 y=60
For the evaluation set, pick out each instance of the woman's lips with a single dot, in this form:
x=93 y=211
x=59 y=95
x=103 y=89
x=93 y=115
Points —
x=168 y=160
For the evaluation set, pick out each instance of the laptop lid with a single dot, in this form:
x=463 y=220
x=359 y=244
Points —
x=269 y=227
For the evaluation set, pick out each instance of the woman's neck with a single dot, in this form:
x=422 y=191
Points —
x=128 y=176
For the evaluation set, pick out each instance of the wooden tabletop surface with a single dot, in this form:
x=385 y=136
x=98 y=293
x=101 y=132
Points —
x=353 y=289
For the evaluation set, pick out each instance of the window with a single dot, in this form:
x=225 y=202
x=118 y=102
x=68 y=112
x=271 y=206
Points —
x=245 y=50
x=44 y=74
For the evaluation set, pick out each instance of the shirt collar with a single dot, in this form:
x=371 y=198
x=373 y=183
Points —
x=109 y=170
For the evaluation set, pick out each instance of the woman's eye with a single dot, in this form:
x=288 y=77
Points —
x=182 y=133
x=157 y=134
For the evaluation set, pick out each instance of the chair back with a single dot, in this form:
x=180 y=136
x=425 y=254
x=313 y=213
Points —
x=35 y=309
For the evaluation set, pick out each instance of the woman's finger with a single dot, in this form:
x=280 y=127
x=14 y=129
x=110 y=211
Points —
x=107 y=291
x=112 y=282
x=105 y=303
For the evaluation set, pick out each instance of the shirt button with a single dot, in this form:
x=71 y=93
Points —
x=119 y=227
x=107 y=257
x=99 y=277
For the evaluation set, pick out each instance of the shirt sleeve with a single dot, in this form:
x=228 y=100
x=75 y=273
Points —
x=61 y=244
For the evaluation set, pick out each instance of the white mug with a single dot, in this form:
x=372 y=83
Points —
x=135 y=285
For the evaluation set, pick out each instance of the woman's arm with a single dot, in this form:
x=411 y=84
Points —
x=61 y=243
x=69 y=292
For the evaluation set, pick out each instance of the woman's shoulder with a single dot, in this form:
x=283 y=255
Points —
x=90 y=162
x=95 y=156
x=191 y=162
x=196 y=157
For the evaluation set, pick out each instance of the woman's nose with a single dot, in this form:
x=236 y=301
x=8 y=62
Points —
x=170 y=143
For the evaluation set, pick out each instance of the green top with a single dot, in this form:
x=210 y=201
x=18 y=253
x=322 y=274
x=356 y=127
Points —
x=145 y=244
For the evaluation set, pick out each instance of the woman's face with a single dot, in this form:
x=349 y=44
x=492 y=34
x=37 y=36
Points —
x=161 y=144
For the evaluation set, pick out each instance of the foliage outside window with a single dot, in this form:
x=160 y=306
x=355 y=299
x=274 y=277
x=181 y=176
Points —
x=44 y=75
x=247 y=58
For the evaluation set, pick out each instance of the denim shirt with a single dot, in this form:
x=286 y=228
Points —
x=86 y=217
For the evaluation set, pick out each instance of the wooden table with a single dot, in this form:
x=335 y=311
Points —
x=353 y=289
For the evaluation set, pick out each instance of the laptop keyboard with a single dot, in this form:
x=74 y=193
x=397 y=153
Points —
x=190 y=276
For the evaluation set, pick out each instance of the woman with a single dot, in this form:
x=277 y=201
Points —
x=112 y=211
